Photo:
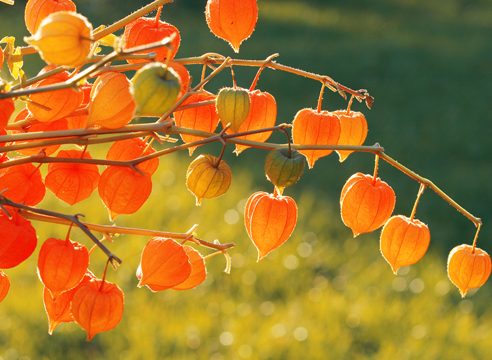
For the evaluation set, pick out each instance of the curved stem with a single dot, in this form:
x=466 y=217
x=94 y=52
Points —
x=421 y=191
x=476 y=236
x=375 y=170
x=320 y=99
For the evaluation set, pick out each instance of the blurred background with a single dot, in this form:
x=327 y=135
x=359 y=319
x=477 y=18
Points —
x=323 y=294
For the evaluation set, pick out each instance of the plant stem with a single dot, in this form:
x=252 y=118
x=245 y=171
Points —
x=476 y=236
x=421 y=191
x=109 y=230
x=375 y=170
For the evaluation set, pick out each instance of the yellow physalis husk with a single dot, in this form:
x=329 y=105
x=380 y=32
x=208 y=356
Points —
x=63 y=38
x=155 y=88
x=233 y=107
x=205 y=179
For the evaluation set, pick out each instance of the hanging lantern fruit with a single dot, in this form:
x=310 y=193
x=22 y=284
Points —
x=143 y=31
x=72 y=182
x=202 y=118
x=366 y=203
x=7 y=107
x=63 y=38
x=18 y=239
x=164 y=264
x=404 y=241
x=353 y=130
x=111 y=104
x=62 y=264
x=311 y=127
x=198 y=270
x=206 y=179
x=232 y=107
x=468 y=267
x=270 y=220
x=4 y=285
x=284 y=167
x=97 y=306
x=58 y=310
x=155 y=88
x=232 y=20
x=37 y=10
x=262 y=114
x=57 y=104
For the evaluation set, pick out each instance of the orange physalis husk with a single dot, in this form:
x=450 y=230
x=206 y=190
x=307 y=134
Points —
x=58 y=310
x=24 y=183
x=164 y=264
x=1 y=58
x=468 y=268
x=4 y=285
x=7 y=108
x=207 y=180
x=311 y=127
x=63 y=38
x=97 y=306
x=202 y=118
x=198 y=270
x=183 y=74
x=62 y=264
x=72 y=182
x=130 y=149
x=262 y=114
x=112 y=104
x=56 y=125
x=404 y=241
x=37 y=10
x=18 y=239
x=80 y=121
x=270 y=220
x=146 y=31
x=366 y=204
x=232 y=20
x=123 y=190
x=61 y=102
x=353 y=130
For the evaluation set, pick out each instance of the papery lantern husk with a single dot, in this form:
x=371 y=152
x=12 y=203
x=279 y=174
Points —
x=24 y=183
x=123 y=190
x=284 y=169
x=311 y=127
x=366 y=204
x=198 y=270
x=112 y=105
x=18 y=239
x=164 y=264
x=80 y=121
x=60 y=102
x=262 y=114
x=155 y=88
x=232 y=20
x=4 y=285
x=183 y=75
x=202 y=118
x=353 y=130
x=97 y=306
x=62 y=265
x=37 y=10
x=7 y=107
x=232 y=106
x=56 y=125
x=207 y=180
x=468 y=268
x=403 y=241
x=143 y=31
x=72 y=182
x=63 y=38
x=58 y=310
x=269 y=220
x=129 y=149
